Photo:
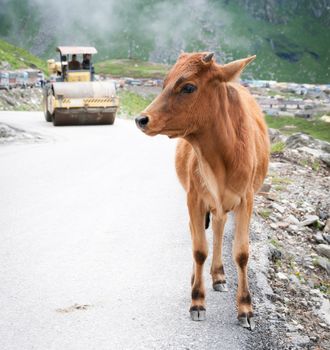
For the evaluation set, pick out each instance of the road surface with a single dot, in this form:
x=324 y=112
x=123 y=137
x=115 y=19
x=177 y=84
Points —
x=95 y=248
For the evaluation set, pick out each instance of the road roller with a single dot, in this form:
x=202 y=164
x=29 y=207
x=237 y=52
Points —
x=73 y=96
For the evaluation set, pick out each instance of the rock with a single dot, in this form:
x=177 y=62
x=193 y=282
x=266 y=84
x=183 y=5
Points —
x=298 y=140
x=326 y=237
x=325 y=157
x=286 y=300
x=278 y=208
x=324 y=311
x=9 y=100
x=294 y=279
x=304 y=115
x=292 y=220
x=314 y=153
x=294 y=228
x=309 y=146
x=323 y=215
x=274 y=253
x=271 y=196
x=276 y=136
x=283 y=224
x=300 y=340
x=324 y=249
x=289 y=127
x=6 y=131
x=265 y=188
x=327 y=227
x=324 y=263
x=316 y=292
x=324 y=145
x=323 y=325
x=5 y=65
x=277 y=215
x=309 y=219
x=281 y=276
x=325 y=118
x=291 y=328
x=319 y=238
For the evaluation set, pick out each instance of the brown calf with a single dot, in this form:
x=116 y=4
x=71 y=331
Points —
x=221 y=161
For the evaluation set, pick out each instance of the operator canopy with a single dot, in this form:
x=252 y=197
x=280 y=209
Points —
x=71 y=50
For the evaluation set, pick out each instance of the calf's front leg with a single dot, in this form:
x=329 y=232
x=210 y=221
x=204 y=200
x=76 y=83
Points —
x=217 y=269
x=197 y=212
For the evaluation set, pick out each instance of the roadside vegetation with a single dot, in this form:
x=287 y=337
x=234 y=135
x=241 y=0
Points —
x=132 y=68
x=132 y=103
x=277 y=147
x=315 y=128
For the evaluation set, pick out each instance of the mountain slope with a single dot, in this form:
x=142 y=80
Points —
x=14 y=58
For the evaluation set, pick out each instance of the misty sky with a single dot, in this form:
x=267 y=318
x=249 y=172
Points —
x=148 y=29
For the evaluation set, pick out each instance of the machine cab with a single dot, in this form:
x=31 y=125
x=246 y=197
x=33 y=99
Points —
x=75 y=63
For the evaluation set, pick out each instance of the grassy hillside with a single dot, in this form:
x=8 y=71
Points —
x=20 y=58
x=131 y=68
x=294 y=51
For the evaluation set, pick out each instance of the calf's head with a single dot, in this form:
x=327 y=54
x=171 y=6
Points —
x=189 y=95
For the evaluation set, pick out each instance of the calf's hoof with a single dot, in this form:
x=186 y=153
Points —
x=247 y=321
x=220 y=287
x=198 y=313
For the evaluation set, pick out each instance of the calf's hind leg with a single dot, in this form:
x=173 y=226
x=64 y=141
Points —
x=197 y=213
x=241 y=256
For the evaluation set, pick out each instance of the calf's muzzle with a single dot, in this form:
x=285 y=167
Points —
x=141 y=121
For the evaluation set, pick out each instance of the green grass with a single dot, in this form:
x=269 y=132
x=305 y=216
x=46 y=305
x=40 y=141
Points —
x=279 y=187
x=131 y=68
x=315 y=128
x=265 y=213
x=324 y=287
x=275 y=243
x=20 y=58
x=280 y=180
x=277 y=147
x=131 y=104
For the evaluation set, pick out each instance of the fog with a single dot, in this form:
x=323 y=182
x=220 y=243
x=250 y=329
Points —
x=146 y=29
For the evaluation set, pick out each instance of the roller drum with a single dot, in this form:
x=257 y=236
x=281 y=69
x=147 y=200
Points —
x=85 y=89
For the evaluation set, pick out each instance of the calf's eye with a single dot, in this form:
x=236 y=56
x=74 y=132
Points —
x=188 y=88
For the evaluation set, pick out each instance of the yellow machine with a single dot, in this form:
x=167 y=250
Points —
x=73 y=97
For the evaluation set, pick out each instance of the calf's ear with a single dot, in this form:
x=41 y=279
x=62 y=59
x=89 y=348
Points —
x=208 y=57
x=231 y=71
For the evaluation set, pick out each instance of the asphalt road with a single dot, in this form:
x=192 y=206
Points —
x=95 y=249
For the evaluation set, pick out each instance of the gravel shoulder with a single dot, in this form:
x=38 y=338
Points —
x=294 y=211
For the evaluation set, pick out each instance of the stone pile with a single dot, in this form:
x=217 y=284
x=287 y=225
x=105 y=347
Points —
x=302 y=147
x=294 y=204
x=29 y=99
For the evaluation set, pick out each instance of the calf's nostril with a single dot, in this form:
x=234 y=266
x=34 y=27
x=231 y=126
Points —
x=142 y=121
